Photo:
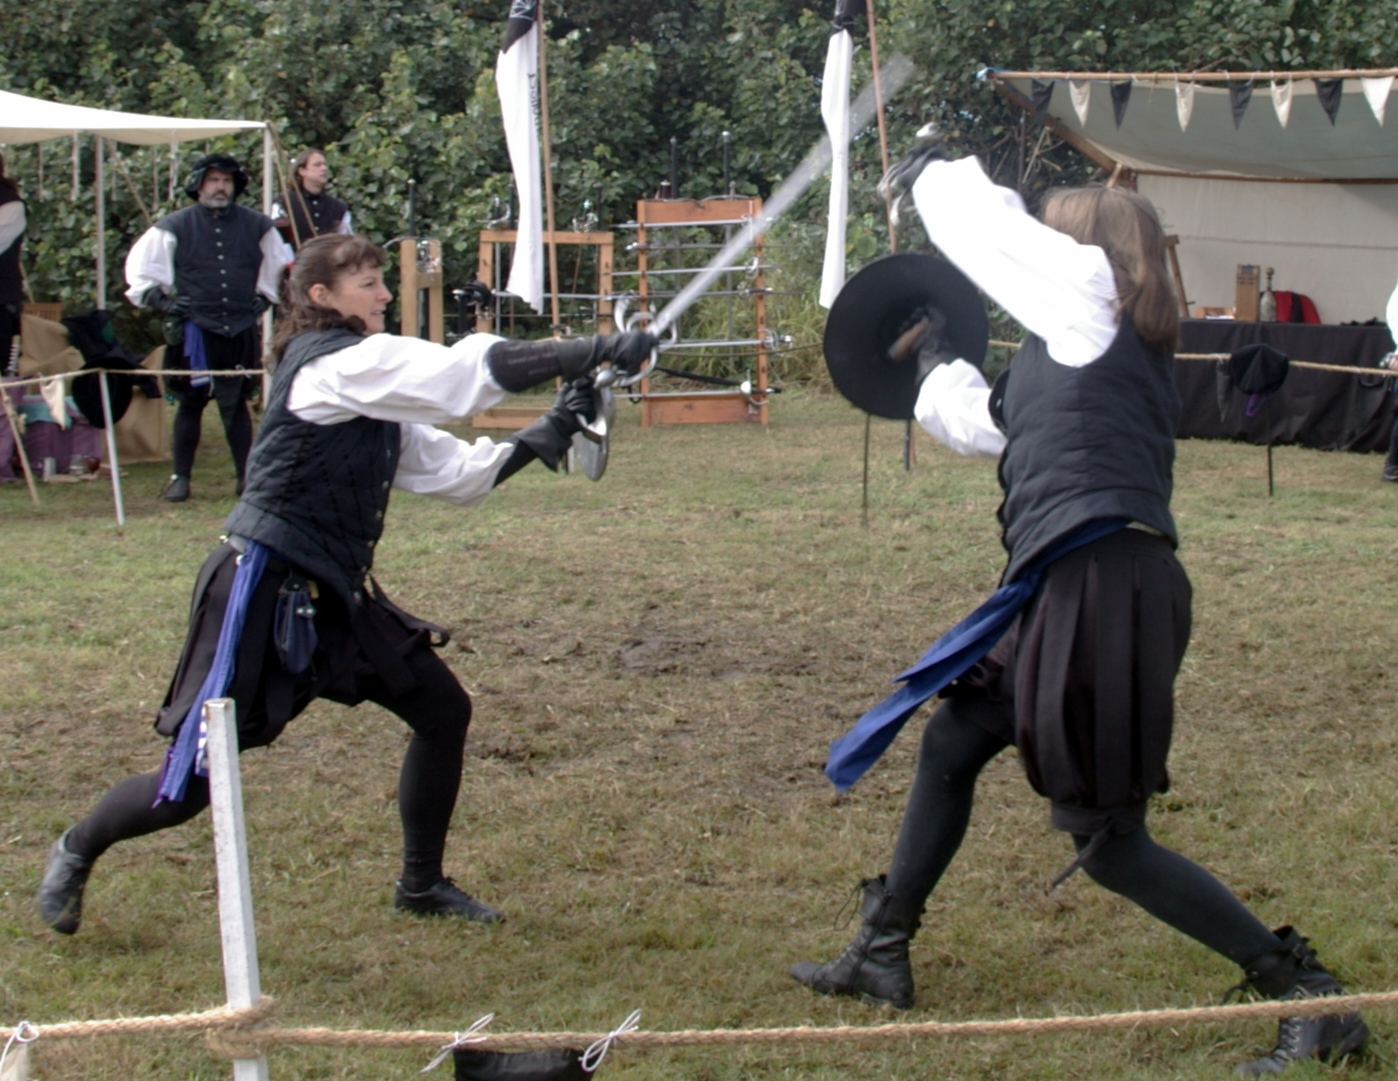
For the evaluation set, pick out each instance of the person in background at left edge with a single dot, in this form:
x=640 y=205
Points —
x=211 y=269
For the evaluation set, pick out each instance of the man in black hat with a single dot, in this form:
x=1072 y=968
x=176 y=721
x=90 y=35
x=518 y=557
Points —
x=211 y=270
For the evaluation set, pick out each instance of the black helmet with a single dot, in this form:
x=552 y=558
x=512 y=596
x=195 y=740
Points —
x=224 y=164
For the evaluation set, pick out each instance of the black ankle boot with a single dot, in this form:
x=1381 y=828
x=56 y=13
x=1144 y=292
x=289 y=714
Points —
x=874 y=967
x=60 y=895
x=1291 y=971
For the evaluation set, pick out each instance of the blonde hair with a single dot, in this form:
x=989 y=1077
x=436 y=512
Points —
x=1126 y=226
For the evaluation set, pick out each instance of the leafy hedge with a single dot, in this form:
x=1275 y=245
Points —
x=395 y=90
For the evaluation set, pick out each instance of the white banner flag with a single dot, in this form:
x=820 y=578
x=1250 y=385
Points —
x=517 y=81
x=834 y=110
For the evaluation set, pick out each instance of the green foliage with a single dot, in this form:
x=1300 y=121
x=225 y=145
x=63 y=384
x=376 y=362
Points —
x=395 y=90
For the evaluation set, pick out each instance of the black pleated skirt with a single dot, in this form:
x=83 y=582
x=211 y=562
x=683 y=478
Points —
x=1085 y=677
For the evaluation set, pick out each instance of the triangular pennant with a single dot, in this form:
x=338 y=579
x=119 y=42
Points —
x=1121 y=94
x=1081 y=93
x=1042 y=94
x=1281 y=100
x=1184 y=103
x=1329 y=92
x=1377 y=91
x=1239 y=94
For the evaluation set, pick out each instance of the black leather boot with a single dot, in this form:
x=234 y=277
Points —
x=60 y=895
x=1291 y=971
x=874 y=967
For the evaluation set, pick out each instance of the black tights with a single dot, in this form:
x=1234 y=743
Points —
x=1171 y=888
x=438 y=711
x=189 y=419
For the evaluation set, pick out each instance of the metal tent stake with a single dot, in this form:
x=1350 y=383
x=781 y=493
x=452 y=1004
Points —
x=240 y=978
x=1267 y=421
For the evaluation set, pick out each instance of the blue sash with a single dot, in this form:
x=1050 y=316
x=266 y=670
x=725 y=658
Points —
x=186 y=754
x=948 y=658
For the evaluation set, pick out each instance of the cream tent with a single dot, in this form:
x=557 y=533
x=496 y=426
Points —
x=1286 y=186
x=32 y=120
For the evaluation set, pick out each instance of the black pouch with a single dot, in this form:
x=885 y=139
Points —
x=561 y=1064
x=294 y=628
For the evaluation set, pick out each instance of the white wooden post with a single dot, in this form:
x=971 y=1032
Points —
x=240 y=977
x=112 y=450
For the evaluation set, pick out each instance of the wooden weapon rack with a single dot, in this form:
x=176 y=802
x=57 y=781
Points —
x=701 y=406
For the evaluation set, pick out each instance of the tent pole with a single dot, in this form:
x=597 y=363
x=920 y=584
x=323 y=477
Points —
x=112 y=450
x=100 y=150
x=267 y=163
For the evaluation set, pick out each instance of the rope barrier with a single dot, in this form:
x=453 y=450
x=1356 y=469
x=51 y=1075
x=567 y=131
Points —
x=1219 y=357
x=134 y=373
x=230 y=1032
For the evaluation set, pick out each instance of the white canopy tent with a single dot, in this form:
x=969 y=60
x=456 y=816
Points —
x=1316 y=199
x=32 y=120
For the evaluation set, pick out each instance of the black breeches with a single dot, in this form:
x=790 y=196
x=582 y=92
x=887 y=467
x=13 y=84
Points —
x=189 y=418
x=438 y=711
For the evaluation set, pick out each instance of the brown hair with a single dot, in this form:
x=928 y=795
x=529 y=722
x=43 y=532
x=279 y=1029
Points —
x=322 y=261
x=1126 y=226
x=301 y=160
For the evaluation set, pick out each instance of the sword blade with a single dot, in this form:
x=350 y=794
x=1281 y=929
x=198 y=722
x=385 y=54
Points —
x=894 y=74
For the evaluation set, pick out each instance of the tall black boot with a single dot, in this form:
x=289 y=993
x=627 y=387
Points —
x=1291 y=971
x=874 y=967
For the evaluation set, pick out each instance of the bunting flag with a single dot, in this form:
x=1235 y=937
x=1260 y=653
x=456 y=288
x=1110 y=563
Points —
x=834 y=110
x=1239 y=94
x=1281 y=100
x=517 y=81
x=1377 y=91
x=1043 y=94
x=1081 y=93
x=1184 y=103
x=1121 y=94
x=1329 y=92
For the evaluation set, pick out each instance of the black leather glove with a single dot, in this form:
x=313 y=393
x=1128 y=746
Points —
x=898 y=181
x=922 y=339
x=519 y=365
x=627 y=352
x=549 y=437
x=260 y=304
x=160 y=301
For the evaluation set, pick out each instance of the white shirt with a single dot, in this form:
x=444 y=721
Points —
x=416 y=384
x=12 y=223
x=1061 y=290
x=151 y=263
x=1391 y=316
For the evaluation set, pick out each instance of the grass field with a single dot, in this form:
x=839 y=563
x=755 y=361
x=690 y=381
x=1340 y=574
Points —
x=658 y=662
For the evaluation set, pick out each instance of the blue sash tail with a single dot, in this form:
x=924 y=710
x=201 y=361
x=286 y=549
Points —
x=186 y=754
x=948 y=658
